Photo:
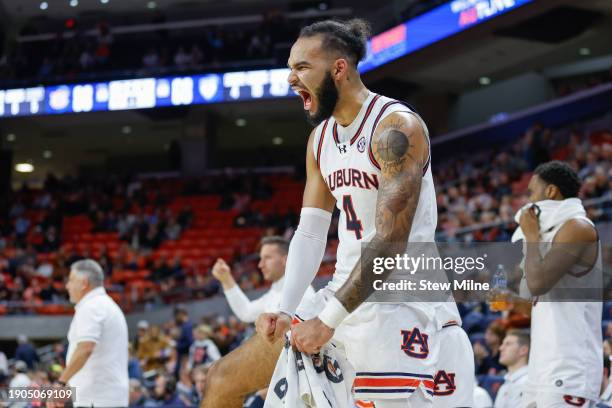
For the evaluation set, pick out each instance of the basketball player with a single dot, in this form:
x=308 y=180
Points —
x=566 y=348
x=369 y=156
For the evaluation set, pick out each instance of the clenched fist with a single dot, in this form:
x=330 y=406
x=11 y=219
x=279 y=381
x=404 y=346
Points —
x=223 y=273
x=272 y=326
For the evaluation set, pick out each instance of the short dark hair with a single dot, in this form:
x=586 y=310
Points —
x=349 y=38
x=562 y=176
x=524 y=339
x=280 y=242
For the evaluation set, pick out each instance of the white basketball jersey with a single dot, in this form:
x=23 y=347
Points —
x=345 y=159
x=566 y=338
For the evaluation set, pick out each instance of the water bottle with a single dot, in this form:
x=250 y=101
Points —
x=500 y=295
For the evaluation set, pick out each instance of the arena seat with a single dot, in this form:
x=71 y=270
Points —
x=491 y=383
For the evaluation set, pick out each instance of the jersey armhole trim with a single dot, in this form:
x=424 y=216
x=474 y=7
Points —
x=320 y=145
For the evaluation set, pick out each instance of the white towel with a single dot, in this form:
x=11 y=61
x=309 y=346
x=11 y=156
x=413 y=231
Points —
x=552 y=215
x=319 y=381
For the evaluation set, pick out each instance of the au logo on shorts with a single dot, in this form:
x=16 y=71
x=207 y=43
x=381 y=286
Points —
x=414 y=343
x=444 y=383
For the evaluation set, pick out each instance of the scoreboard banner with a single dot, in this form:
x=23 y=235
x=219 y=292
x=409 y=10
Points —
x=433 y=26
x=145 y=93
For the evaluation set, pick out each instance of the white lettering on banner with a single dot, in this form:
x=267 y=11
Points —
x=132 y=94
x=163 y=88
x=257 y=80
x=484 y=8
x=14 y=97
x=489 y=8
x=59 y=98
x=35 y=96
x=1 y=103
x=82 y=98
x=233 y=81
x=182 y=91
x=279 y=86
x=208 y=86
x=102 y=93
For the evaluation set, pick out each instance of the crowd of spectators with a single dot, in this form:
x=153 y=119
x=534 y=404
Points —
x=138 y=214
x=76 y=54
x=479 y=194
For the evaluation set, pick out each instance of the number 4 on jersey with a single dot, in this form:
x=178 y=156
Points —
x=352 y=222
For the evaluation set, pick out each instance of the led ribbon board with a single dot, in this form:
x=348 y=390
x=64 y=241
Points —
x=441 y=22
x=145 y=93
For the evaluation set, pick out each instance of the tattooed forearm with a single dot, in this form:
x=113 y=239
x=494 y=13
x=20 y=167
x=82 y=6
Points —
x=398 y=197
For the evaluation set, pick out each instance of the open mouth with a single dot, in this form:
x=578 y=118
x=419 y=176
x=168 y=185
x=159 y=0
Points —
x=306 y=98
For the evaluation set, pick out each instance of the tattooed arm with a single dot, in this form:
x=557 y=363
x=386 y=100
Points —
x=401 y=148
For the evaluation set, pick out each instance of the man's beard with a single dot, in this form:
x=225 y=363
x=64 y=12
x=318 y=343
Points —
x=327 y=97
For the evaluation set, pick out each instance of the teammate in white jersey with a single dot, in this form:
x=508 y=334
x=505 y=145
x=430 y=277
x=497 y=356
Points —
x=369 y=156
x=566 y=340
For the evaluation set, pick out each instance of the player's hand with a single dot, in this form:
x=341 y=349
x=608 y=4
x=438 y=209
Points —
x=309 y=336
x=529 y=224
x=223 y=273
x=221 y=270
x=272 y=326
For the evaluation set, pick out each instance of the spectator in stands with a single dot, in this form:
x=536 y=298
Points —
x=273 y=257
x=151 y=59
x=607 y=348
x=197 y=56
x=26 y=352
x=184 y=386
x=182 y=59
x=141 y=332
x=5 y=292
x=203 y=350
x=138 y=396
x=134 y=370
x=154 y=349
x=86 y=60
x=105 y=40
x=487 y=356
x=173 y=229
x=21 y=379
x=514 y=354
x=199 y=380
x=185 y=337
x=165 y=392
x=59 y=353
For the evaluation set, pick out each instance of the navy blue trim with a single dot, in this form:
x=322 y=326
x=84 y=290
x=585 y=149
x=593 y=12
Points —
x=379 y=374
x=378 y=391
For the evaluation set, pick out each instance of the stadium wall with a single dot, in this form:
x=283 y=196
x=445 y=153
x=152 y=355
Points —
x=511 y=95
